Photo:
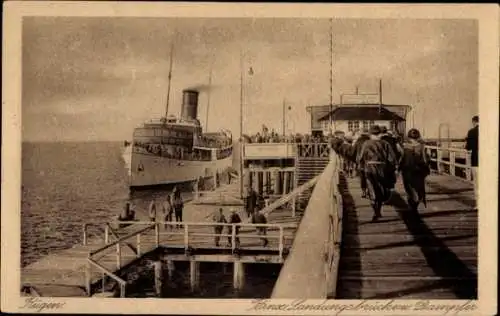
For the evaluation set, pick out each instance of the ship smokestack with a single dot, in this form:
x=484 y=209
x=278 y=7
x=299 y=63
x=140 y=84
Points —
x=189 y=110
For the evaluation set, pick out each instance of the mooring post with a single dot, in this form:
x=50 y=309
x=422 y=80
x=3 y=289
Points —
x=157 y=235
x=158 y=277
x=84 y=234
x=281 y=242
x=194 y=274
x=88 y=277
x=439 y=158
x=238 y=275
x=452 y=163
x=233 y=237
x=186 y=237
x=106 y=234
x=118 y=256
x=138 y=245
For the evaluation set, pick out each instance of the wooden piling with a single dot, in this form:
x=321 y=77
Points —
x=238 y=275
x=158 y=267
x=194 y=275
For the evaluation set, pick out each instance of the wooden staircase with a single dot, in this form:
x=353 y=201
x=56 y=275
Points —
x=308 y=168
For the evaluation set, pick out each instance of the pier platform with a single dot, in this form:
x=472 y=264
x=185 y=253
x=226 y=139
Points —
x=428 y=255
x=330 y=249
x=63 y=273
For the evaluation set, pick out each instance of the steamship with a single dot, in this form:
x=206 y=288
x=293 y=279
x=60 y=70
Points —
x=172 y=150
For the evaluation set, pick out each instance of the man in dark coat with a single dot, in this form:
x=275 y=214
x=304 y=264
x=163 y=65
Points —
x=250 y=201
x=414 y=169
x=259 y=218
x=218 y=218
x=360 y=169
x=234 y=219
x=392 y=140
x=379 y=162
x=472 y=145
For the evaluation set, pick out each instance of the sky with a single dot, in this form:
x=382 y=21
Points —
x=93 y=78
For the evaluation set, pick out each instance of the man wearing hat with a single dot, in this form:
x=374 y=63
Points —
x=363 y=137
x=379 y=161
x=234 y=218
x=414 y=169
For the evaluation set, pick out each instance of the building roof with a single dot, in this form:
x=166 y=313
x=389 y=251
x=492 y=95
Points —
x=362 y=113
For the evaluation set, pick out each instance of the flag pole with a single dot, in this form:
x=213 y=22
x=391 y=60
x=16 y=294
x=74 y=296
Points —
x=241 y=124
x=331 y=76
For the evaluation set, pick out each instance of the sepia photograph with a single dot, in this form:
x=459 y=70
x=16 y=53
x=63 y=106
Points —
x=322 y=164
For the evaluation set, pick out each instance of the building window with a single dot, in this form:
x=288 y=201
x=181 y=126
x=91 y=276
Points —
x=372 y=123
x=352 y=125
x=356 y=125
x=366 y=125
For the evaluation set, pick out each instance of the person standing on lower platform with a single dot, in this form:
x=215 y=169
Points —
x=250 y=201
x=380 y=164
x=472 y=145
x=414 y=169
x=259 y=218
x=152 y=210
x=168 y=211
x=178 y=206
x=220 y=219
x=234 y=219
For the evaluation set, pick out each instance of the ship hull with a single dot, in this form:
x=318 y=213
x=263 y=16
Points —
x=150 y=170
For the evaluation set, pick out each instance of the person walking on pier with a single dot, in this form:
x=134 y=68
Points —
x=178 y=206
x=234 y=219
x=168 y=211
x=414 y=169
x=363 y=137
x=152 y=210
x=472 y=145
x=259 y=218
x=379 y=163
x=218 y=218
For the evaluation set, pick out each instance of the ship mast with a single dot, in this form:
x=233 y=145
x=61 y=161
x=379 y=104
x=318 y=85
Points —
x=169 y=78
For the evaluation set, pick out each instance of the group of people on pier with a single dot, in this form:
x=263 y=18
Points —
x=253 y=204
x=378 y=155
x=266 y=136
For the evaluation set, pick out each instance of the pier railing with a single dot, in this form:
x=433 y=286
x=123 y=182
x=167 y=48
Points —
x=286 y=150
x=148 y=236
x=450 y=160
x=311 y=268
x=313 y=150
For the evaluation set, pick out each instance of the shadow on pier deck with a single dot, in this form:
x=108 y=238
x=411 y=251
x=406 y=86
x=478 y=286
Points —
x=431 y=254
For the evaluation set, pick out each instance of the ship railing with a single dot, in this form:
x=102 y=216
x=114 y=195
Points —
x=450 y=160
x=148 y=236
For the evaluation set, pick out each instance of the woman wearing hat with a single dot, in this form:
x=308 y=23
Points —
x=379 y=164
x=414 y=169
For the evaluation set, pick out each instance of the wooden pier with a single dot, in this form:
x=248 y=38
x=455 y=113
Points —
x=432 y=254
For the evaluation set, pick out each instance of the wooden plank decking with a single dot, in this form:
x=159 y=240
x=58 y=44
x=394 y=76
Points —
x=430 y=255
x=62 y=273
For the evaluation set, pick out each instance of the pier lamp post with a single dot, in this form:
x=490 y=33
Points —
x=250 y=73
